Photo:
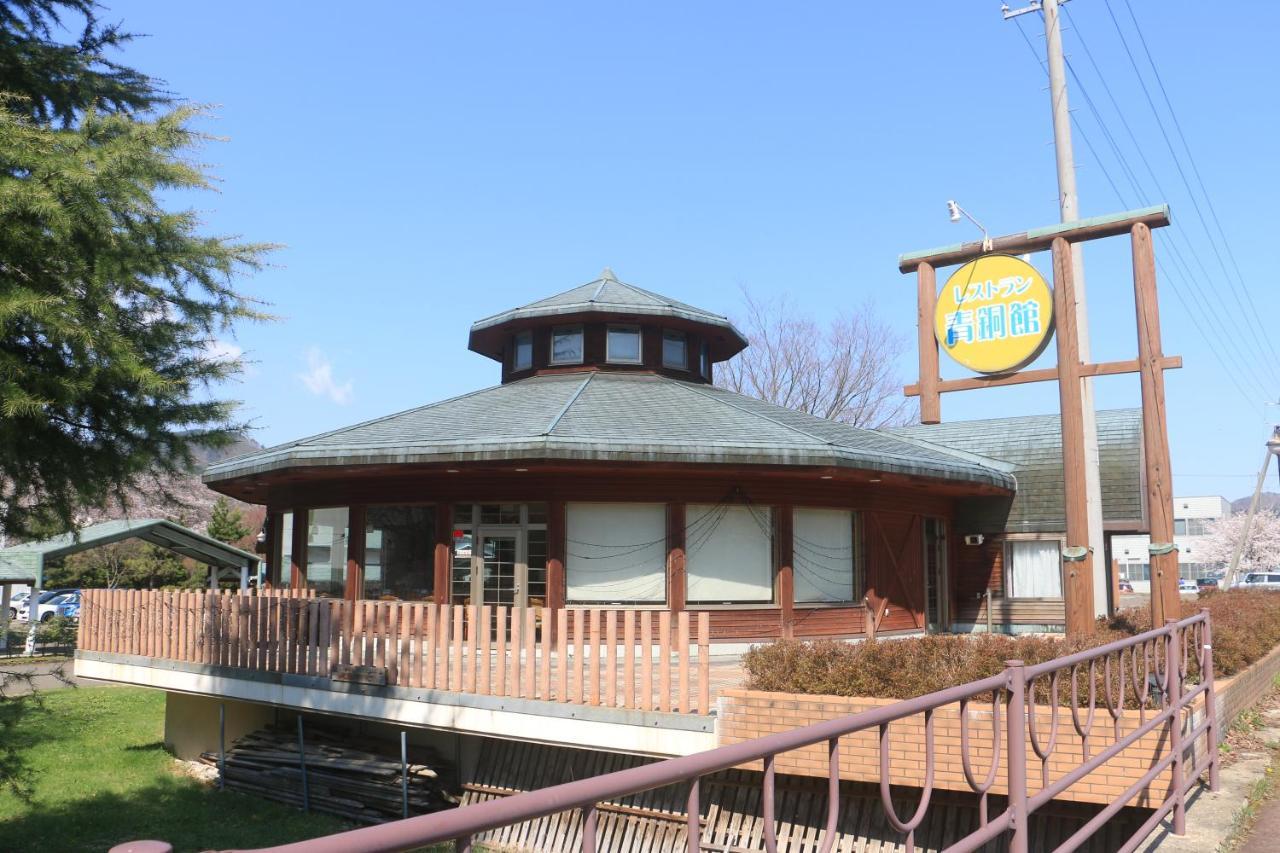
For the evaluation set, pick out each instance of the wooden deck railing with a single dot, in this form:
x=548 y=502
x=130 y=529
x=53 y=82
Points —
x=645 y=660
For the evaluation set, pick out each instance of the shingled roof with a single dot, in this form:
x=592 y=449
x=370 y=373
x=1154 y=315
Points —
x=608 y=295
x=614 y=417
x=1033 y=446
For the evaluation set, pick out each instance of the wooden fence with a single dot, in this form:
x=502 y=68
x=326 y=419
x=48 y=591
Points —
x=645 y=660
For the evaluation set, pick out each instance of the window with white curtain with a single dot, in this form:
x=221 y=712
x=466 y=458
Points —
x=1033 y=569
x=327 y=551
x=616 y=553
x=823 y=556
x=286 y=548
x=729 y=554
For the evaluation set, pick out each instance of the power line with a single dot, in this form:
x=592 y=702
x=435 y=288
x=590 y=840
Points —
x=1255 y=328
x=1173 y=233
x=1245 y=364
x=1195 y=169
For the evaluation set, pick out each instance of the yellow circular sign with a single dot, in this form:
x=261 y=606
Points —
x=994 y=314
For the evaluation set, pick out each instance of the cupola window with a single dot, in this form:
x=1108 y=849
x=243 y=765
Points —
x=622 y=345
x=674 y=350
x=566 y=345
x=706 y=362
x=522 y=351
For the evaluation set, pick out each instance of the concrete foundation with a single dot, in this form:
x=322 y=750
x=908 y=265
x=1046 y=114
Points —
x=191 y=722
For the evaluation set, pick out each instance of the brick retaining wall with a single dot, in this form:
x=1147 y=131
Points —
x=747 y=714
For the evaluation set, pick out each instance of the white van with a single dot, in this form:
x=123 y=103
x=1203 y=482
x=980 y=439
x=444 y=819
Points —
x=1260 y=580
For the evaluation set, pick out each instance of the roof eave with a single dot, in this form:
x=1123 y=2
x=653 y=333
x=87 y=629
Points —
x=559 y=450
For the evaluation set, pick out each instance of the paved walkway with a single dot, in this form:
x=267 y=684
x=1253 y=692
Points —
x=44 y=676
x=1265 y=835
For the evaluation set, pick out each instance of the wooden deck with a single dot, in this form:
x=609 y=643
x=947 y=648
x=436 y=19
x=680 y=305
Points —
x=640 y=660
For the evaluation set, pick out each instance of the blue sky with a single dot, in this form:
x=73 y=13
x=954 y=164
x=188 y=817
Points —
x=426 y=165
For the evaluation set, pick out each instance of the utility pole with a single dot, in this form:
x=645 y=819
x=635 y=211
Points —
x=1069 y=210
x=1273 y=448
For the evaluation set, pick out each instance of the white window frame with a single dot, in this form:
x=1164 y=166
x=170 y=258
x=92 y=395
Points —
x=568 y=330
x=695 y=511
x=608 y=344
x=674 y=334
x=517 y=340
x=857 y=584
x=583 y=546
x=1008 y=564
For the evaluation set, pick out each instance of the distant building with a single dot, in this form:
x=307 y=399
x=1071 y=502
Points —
x=1191 y=517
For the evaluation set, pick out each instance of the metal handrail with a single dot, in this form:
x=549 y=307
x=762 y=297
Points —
x=1017 y=686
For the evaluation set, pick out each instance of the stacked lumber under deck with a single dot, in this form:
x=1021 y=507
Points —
x=351 y=783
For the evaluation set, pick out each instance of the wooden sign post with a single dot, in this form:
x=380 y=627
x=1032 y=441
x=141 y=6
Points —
x=1079 y=555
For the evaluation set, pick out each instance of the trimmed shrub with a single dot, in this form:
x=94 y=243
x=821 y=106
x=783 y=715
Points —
x=1246 y=626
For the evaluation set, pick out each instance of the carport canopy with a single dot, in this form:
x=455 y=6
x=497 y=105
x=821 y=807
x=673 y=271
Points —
x=25 y=563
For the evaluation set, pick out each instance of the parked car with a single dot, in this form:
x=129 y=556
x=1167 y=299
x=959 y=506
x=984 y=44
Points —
x=71 y=607
x=1206 y=584
x=48 y=604
x=16 y=603
x=1260 y=580
x=1187 y=585
x=1125 y=586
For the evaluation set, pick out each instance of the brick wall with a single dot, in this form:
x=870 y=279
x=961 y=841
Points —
x=1243 y=690
x=747 y=714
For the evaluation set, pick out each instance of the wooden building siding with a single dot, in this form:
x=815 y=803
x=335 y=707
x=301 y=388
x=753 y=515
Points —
x=977 y=569
x=639 y=484
x=594 y=348
x=891 y=537
x=981 y=567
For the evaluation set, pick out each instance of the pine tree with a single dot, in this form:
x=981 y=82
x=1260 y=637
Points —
x=226 y=524
x=110 y=302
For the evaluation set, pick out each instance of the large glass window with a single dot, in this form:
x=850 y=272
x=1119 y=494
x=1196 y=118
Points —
x=511 y=565
x=327 y=551
x=729 y=554
x=824 y=556
x=285 y=548
x=536 y=562
x=616 y=553
x=566 y=345
x=622 y=344
x=1033 y=569
x=522 y=351
x=399 y=552
x=674 y=350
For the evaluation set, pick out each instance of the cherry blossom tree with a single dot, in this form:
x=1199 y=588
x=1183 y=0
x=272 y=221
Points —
x=1261 y=551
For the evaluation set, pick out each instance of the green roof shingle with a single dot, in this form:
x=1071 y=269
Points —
x=610 y=417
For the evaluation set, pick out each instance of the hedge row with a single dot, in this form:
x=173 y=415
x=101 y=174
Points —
x=1246 y=625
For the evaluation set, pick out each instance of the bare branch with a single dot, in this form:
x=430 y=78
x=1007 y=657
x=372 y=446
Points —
x=844 y=373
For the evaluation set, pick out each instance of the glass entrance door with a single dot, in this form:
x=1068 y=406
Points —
x=937 y=599
x=499 y=569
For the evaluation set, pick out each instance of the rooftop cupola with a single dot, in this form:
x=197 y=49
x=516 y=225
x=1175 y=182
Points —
x=607 y=324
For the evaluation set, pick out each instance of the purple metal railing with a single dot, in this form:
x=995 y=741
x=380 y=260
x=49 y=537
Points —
x=1164 y=653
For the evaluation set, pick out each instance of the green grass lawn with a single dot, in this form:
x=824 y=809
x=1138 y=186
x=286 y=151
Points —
x=100 y=776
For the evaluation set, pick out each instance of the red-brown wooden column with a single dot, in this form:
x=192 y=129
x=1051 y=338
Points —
x=1165 y=602
x=677 y=582
x=1077 y=574
x=443 y=553
x=556 y=547
x=784 y=544
x=298 y=560
x=275 y=521
x=355 y=552
x=926 y=305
